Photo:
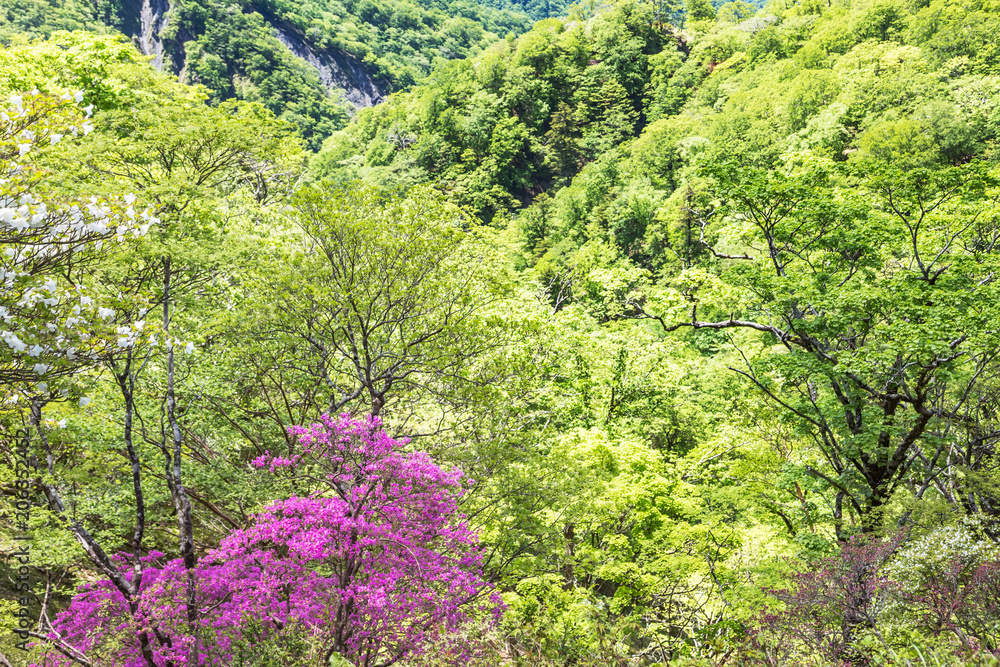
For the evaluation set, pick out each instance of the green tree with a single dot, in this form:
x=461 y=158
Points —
x=699 y=10
x=383 y=296
x=882 y=307
x=734 y=12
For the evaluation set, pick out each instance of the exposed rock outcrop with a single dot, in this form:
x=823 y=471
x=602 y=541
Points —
x=336 y=70
x=143 y=21
x=152 y=20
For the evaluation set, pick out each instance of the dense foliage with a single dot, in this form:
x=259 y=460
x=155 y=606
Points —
x=675 y=327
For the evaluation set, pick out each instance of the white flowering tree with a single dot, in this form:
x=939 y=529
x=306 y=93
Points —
x=50 y=323
x=127 y=283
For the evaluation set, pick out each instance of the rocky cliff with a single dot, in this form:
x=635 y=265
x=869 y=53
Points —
x=145 y=20
x=336 y=70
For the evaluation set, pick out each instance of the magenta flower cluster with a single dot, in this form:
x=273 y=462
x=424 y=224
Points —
x=375 y=567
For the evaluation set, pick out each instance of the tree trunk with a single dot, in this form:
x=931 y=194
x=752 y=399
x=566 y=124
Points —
x=182 y=503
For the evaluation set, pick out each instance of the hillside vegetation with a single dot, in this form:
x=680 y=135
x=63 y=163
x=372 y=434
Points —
x=308 y=62
x=647 y=335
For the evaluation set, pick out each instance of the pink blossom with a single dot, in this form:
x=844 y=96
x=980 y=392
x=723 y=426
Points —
x=375 y=566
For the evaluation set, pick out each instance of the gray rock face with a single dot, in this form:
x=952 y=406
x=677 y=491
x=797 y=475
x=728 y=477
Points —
x=152 y=20
x=336 y=70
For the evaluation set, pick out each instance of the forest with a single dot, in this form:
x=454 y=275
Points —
x=622 y=333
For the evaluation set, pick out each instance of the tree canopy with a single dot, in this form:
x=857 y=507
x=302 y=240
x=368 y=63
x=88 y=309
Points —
x=647 y=333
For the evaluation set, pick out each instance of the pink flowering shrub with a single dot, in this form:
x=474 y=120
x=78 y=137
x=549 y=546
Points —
x=830 y=605
x=373 y=568
x=962 y=600
x=100 y=625
x=849 y=608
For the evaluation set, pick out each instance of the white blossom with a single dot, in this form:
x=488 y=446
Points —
x=14 y=342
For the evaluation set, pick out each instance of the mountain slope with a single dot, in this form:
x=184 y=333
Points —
x=888 y=80
x=308 y=62
x=522 y=118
